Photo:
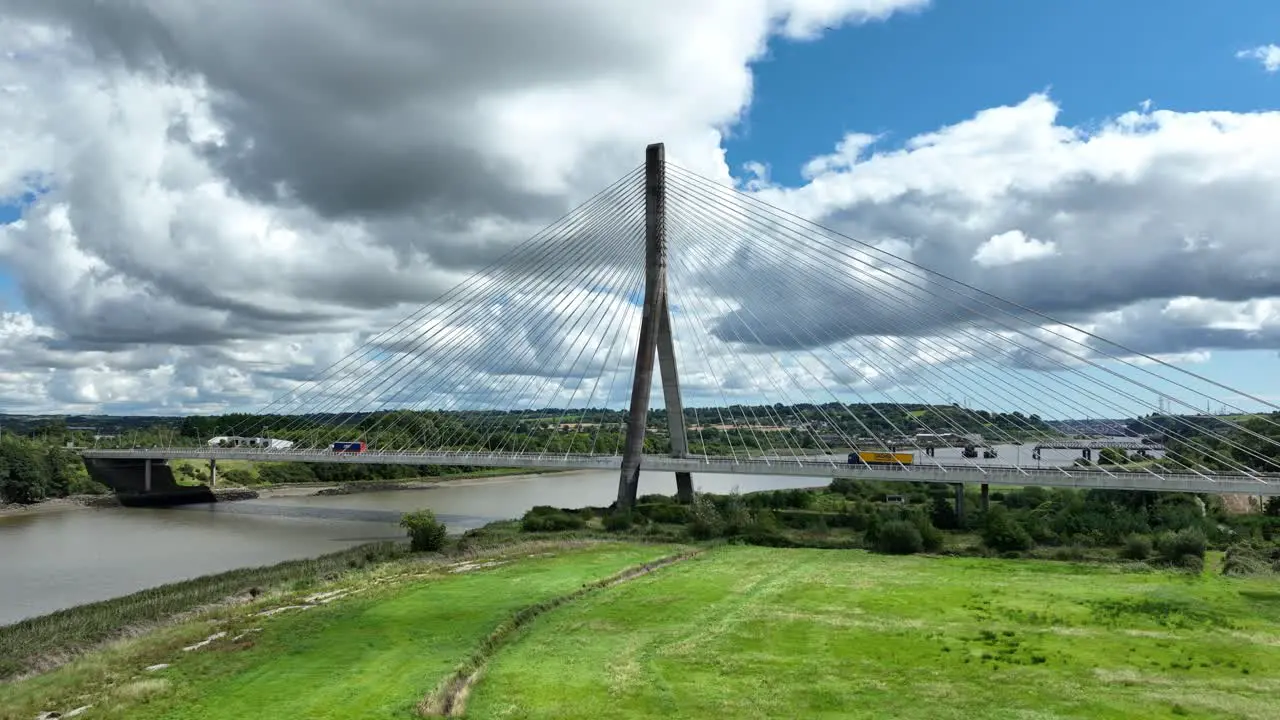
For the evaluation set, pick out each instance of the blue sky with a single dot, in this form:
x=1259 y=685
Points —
x=10 y=295
x=917 y=72
x=1096 y=58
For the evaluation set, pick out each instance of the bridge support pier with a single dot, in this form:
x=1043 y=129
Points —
x=213 y=472
x=671 y=396
x=960 y=503
x=139 y=481
x=655 y=339
x=986 y=489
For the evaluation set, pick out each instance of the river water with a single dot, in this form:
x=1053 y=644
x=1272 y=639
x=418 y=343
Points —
x=59 y=559
x=54 y=560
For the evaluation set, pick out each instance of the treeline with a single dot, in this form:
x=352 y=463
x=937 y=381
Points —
x=713 y=430
x=32 y=470
x=1213 y=444
x=281 y=473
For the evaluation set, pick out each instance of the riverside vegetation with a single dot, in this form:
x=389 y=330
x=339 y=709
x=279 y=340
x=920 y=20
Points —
x=706 y=610
x=1169 y=529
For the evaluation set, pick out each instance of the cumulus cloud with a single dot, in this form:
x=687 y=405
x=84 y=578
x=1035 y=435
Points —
x=235 y=191
x=1012 y=247
x=1147 y=206
x=233 y=196
x=1267 y=55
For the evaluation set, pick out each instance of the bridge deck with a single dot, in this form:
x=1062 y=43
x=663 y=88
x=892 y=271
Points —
x=1094 y=477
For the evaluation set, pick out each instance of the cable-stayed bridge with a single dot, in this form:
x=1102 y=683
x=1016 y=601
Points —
x=780 y=347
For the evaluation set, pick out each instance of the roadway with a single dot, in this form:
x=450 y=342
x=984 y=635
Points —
x=1094 y=477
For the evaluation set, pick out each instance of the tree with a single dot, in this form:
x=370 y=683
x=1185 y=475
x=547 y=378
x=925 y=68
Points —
x=1272 y=508
x=426 y=533
x=1002 y=531
x=898 y=537
x=24 y=477
x=1112 y=456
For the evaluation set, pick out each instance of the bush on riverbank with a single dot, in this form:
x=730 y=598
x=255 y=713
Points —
x=426 y=533
x=545 y=518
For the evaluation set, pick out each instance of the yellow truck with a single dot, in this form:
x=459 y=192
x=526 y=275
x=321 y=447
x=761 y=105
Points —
x=880 y=458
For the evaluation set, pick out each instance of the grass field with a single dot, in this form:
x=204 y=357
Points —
x=373 y=654
x=752 y=632
x=734 y=632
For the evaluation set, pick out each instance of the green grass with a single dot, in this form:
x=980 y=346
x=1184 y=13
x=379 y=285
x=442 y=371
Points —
x=372 y=654
x=39 y=642
x=753 y=632
x=734 y=632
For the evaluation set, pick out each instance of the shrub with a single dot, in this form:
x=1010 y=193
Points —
x=1272 y=507
x=1073 y=553
x=548 y=519
x=426 y=533
x=1193 y=563
x=857 y=517
x=758 y=535
x=1175 y=547
x=736 y=515
x=1249 y=559
x=705 y=522
x=898 y=537
x=284 y=473
x=236 y=476
x=930 y=536
x=617 y=521
x=1136 y=547
x=1112 y=456
x=943 y=515
x=1003 y=532
x=1178 y=512
x=655 y=500
x=669 y=513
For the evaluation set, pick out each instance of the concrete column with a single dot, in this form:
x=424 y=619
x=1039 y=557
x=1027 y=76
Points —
x=960 y=503
x=213 y=473
x=671 y=398
x=985 y=499
x=146 y=475
x=655 y=277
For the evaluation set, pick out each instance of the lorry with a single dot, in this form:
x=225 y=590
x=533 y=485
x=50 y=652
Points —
x=880 y=458
x=349 y=447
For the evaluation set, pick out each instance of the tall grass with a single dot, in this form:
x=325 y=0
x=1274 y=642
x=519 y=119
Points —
x=38 y=643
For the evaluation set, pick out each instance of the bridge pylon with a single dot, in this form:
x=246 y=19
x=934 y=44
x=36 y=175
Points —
x=655 y=339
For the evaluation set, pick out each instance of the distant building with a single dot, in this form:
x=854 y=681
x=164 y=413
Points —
x=262 y=442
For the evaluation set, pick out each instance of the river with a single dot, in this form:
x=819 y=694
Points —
x=62 y=558
x=59 y=559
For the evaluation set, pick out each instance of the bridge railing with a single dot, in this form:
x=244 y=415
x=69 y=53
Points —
x=964 y=472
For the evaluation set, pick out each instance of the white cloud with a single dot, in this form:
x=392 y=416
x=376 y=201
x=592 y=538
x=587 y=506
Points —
x=239 y=194
x=1012 y=247
x=1268 y=55
x=212 y=228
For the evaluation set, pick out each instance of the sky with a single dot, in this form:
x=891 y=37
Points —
x=191 y=225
